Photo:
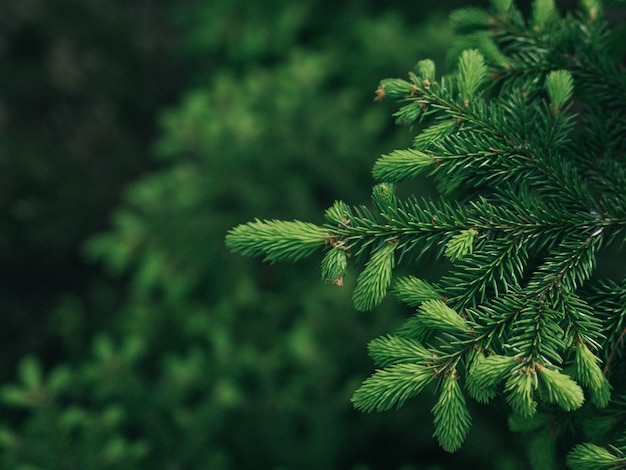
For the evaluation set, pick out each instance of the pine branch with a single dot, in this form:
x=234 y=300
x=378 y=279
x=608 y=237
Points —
x=451 y=417
x=592 y=457
x=525 y=141
x=389 y=350
x=609 y=297
x=392 y=386
x=277 y=240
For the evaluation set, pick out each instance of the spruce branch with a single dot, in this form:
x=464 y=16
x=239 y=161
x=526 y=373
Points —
x=277 y=240
x=610 y=300
x=559 y=388
x=460 y=244
x=525 y=141
x=402 y=164
x=542 y=12
x=486 y=373
x=471 y=74
x=520 y=389
x=451 y=418
x=375 y=279
x=592 y=457
x=436 y=315
x=587 y=372
x=560 y=87
x=413 y=291
x=334 y=265
x=392 y=386
x=389 y=350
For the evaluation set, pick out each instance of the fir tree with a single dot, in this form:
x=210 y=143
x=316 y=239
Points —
x=525 y=141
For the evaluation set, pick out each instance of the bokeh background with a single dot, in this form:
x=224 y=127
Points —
x=133 y=135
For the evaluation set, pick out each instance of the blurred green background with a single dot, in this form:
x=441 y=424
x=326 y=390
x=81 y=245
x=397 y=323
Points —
x=133 y=135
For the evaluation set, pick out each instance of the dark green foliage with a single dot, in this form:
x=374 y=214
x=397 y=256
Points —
x=80 y=82
x=525 y=141
x=192 y=354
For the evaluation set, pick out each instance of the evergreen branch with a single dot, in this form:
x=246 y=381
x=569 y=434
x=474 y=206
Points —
x=537 y=333
x=497 y=266
x=586 y=327
x=468 y=20
x=587 y=372
x=334 y=265
x=483 y=140
x=560 y=389
x=495 y=318
x=592 y=457
x=389 y=350
x=560 y=87
x=460 y=244
x=611 y=176
x=429 y=137
x=451 y=417
x=569 y=265
x=560 y=45
x=543 y=11
x=486 y=373
x=375 y=279
x=401 y=164
x=277 y=240
x=540 y=193
x=520 y=389
x=618 y=346
x=609 y=298
x=436 y=315
x=549 y=290
x=392 y=386
x=413 y=291
x=471 y=74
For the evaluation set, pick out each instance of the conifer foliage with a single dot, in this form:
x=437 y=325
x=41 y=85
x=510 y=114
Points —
x=526 y=142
